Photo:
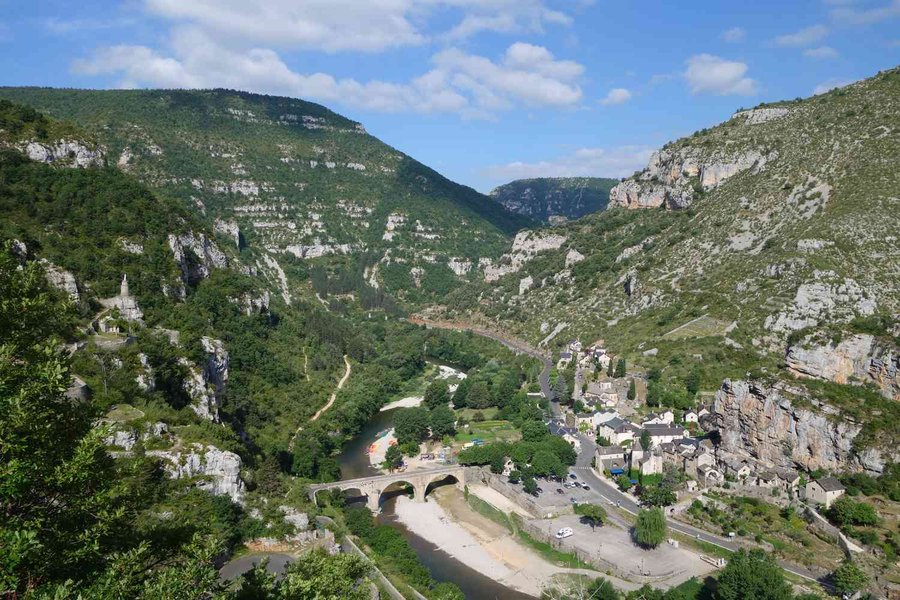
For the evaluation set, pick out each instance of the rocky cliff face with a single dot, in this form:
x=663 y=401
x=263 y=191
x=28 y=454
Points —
x=196 y=256
x=763 y=423
x=205 y=384
x=217 y=471
x=525 y=246
x=674 y=177
x=70 y=153
x=858 y=357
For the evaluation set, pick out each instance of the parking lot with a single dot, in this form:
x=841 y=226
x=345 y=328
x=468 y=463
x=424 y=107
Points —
x=613 y=544
x=550 y=498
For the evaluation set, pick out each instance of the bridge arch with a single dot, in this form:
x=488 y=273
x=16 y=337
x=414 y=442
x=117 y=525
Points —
x=441 y=480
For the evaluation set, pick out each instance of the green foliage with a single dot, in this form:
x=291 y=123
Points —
x=846 y=511
x=443 y=422
x=389 y=545
x=650 y=527
x=592 y=513
x=752 y=575
x=620 y=368
x=315 y=575
x=393 y=457
x=632 y=390
x=659 y=494
x=529 y=485
x=849 y=578
x=437 y=394
x=411 y=425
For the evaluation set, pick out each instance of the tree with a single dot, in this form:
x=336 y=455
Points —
x=753 y=575
x=393 y=458
x=317 y=575
x=437 y=394
x=658 y=495
x=650 y=527
x=411 y=425
x=446 y=591
x=479 y=395
x=534 y=431
x=461 y=394
x=560 y=391
x=529 y=485
x=61 y=499
x=846 y=511
x=602 y=440
x=544 y=462
x=602 y=589
x=692 y=381
x=620 y=367
x=443 y=422
x=646 y=440
x=592 y=513
x=623 y=482
x=632 y=390
x=515 y=476
x=849 y=578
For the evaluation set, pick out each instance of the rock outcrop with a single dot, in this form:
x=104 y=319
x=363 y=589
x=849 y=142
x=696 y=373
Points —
x=206 y=256
x=61 y=280
x=206 y=384
x=673 y=177
x=763 y=423
x=525 y=246
x=827 y=298
x=71 y=153
x=217 y=471
x=857 y=358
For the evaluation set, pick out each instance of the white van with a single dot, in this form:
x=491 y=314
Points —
x=564 y=533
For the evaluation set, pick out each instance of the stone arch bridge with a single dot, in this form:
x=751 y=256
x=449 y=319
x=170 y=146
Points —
x=373 y=487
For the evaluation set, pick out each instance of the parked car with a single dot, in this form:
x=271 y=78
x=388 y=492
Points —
x=573 y=476
x=564 y=533
x=559 y=491
x=585 y=486
x=540 y=490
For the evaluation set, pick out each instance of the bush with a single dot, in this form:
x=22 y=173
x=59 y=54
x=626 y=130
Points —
x=846 y=511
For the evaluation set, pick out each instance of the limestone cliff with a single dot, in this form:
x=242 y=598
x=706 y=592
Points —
x=69 y=153
x=217 y=471
x=673 y=177
x=765 y=424
x=857 y=358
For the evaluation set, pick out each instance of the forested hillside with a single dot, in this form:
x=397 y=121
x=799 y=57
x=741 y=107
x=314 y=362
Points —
x=294 y=182
x=555 y=198
x=156 y=397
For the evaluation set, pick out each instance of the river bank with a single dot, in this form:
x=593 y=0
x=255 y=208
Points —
x=448 y=522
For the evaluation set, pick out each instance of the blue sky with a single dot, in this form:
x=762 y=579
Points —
x=485 y=91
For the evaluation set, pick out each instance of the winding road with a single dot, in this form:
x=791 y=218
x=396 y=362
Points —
x=331 y=400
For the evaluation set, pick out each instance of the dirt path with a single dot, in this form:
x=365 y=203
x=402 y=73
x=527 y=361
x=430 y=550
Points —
x=328 y=404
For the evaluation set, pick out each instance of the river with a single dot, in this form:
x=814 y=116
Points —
x=355 y=463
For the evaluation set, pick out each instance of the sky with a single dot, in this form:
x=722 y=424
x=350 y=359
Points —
x=484 y=91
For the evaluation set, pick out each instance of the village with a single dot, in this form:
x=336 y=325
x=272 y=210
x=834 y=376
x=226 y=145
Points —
x=638 y=447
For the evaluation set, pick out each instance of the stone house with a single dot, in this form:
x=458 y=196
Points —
x=710 y=476
x=662 y=434
x=691 y=417
x=611 y=458
x=664 y=418
x=824 y=491
x=735 y=467
x=618 y=430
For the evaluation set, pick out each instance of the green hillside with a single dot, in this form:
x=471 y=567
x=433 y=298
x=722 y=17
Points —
x=302 y=184
x=775 y=228
x=546 y=197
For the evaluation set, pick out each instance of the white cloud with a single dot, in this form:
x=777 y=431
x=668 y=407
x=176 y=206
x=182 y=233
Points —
x=584 y=162
x=706 y=73
x=471 y=85
x=616 y=96
x=804 y=37
x=822 y=52
x=827 y=86
x=855 y=16
x=501 y=16
x=352 y=25
x=733 y=35
x=69 y=26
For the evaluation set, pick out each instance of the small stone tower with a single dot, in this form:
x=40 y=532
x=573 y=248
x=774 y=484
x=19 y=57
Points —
x=123 y=291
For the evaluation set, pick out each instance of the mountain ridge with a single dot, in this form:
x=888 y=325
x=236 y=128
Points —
x=549 y=198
